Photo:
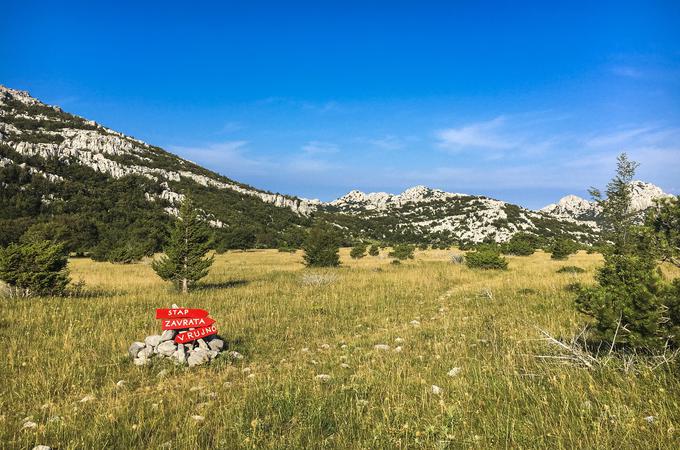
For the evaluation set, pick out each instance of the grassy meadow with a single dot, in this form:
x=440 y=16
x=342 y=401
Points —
x=64 y=359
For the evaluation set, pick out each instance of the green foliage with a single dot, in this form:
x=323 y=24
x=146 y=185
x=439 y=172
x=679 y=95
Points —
x=672 y=320
x=184 y=262
x=521 y=244
x=374 y=250
x=663 y=222
x=562 y=248
x=322 y=247
x=626 y=303
x=34 y=268
x=235 y=238
x=631 y=304
x=617 y=214
x=486 y=257
x=358 y=251
x=570 y=269
x=402 y=251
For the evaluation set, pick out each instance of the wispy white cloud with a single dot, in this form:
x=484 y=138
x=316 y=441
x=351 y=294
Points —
x=319 y=147
x=388 y=142
x=487 y=135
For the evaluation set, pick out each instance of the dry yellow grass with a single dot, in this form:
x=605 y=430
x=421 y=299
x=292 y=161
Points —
x=293 y=324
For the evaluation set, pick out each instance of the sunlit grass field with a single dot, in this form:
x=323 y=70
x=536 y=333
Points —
x=63 y=360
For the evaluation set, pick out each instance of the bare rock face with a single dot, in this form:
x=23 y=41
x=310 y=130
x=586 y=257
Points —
x=103 y=149
x=573 y=207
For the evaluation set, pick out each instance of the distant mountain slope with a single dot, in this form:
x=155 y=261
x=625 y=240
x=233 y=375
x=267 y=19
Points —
x=112 y=196
x=422 y=213
x=57 y=168
x=573 y=207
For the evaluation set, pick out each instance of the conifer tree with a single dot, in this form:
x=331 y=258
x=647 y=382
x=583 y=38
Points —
x=627 y=302
x=34 y=268
x=184 y=262
x=321 y=247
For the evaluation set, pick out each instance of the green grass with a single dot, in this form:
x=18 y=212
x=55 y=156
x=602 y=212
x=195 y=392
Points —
x=58 y=351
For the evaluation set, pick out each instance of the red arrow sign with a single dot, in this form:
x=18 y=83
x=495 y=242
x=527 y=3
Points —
x=198 y=333
x=185 y=322
x=176 y=313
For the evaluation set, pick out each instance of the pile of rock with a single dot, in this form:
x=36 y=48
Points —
x=195 y=353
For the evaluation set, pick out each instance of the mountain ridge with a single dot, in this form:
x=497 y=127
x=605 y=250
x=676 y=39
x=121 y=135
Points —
x=62 y=172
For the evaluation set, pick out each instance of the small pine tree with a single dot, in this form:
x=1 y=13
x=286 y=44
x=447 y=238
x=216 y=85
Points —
x=521 y=244
x=628 y=301
x=321 y=247
x=374 y=250
x=34 y=268
x=562 y=248
x=358 y=251
x=402 y=251
x=184 y=262
x=486 y=257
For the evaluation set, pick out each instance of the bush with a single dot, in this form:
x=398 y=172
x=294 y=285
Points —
x=486 y=258
x=521 y=244
x=358 y=251
x=570 y=269
x=321 y=247
x=374 y=250
x=34 y=268
x=562 y=248
x=402 y=251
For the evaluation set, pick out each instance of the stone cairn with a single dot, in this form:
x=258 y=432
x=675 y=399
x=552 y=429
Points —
x=193 y=353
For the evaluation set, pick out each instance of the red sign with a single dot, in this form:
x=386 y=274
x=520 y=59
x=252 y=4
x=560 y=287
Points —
x=185 y=322
x=198 y=333
x=176 y=313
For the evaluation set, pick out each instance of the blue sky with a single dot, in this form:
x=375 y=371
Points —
x=522 y=101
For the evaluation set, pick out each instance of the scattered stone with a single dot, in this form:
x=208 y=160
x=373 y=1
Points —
x=345 y=366
x=343 y=346
x=120 y=383
x=87 y=398
x=152 y=341
x=415 y=323
x=650 y=419
x=42 y=447
x=399 y=340
x=53 y=419
x=398 y=349
x=29 y=425
x=453 y=372
x=235 y=355
x=362 y=402
x=202 y=344
x=436 y=390
x=323 y=378
x=325 y=347
x=381 y=347
x=180 y=355
x=146 y=352
x=198 y=418
x=135 y=348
